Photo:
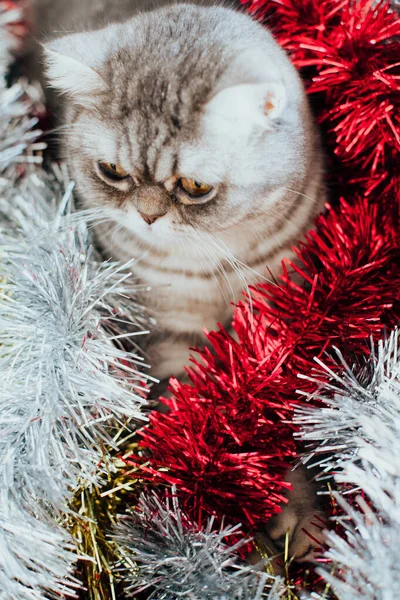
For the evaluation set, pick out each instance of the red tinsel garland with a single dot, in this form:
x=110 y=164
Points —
x=353 y=50
x=227 y=440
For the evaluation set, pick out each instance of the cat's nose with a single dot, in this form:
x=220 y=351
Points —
x=150 y=218
x=152 y=202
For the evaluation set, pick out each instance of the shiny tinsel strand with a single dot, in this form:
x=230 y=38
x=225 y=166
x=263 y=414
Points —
x=175 y=559
x=19 y=103
x=93 y=515
x=347 y=403
x=66 y=383
x=355 y=434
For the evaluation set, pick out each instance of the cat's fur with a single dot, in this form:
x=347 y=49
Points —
x=188 y=91
x=180 y=91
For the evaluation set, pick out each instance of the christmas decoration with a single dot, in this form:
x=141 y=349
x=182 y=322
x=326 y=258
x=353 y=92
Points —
x=94 y=514
x=66 y=385
x=356 y=435
x=225 y=458
x=177 y=560
x=300 y=365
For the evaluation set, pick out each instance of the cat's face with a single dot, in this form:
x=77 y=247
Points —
x=182 y=118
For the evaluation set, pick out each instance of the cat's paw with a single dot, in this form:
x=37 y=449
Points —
x=161 y=393
x=301 y=537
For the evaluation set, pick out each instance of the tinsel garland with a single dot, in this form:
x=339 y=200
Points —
x=222 y=450
x=67 y=388
x=227 y=438
x=177 y=559
x=355 y=434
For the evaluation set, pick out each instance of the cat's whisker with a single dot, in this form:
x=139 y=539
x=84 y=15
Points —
x=257 y=274
x=227 y=255
x=315 y=200
x=218 y=264
x=220 y=267
x=207 y=268
x=234 y=263
x=118 y=227
x=57 y=130
x=92 y=217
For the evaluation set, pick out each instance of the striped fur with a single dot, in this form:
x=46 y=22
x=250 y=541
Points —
x=175 y=92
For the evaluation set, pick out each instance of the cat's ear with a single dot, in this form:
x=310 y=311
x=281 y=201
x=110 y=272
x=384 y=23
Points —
x=249 y=104
x=74 y=64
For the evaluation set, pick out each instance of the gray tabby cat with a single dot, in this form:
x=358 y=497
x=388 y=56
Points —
x=189 y=128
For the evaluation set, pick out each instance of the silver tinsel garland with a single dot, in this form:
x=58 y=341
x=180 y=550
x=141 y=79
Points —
x=356 y=437
x=65 y=382
x=177 y=560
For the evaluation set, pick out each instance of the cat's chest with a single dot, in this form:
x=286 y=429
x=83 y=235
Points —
x=193 y=298
x=190 y=290
x=188 y=304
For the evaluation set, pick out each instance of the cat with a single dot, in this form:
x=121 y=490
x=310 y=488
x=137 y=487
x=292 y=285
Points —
x=188 y=127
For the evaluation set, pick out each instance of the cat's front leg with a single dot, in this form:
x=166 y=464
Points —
x=169 y=354
x=300 y=526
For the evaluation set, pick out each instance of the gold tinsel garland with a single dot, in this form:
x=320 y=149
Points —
x=94 y=514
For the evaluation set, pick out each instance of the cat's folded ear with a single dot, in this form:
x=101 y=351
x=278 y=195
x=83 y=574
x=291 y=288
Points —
x=249 y=104
x=74 y=63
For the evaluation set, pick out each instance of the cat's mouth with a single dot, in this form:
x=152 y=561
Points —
x=162 y=229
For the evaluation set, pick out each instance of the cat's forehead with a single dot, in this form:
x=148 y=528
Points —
x=159 y=69
x=164 y=69
x=154 y=78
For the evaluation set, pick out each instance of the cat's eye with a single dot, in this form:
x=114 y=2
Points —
x=194 y=188
x=113 y=171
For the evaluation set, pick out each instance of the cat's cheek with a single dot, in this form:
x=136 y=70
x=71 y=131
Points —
x=168 y=229
x=131 y=219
